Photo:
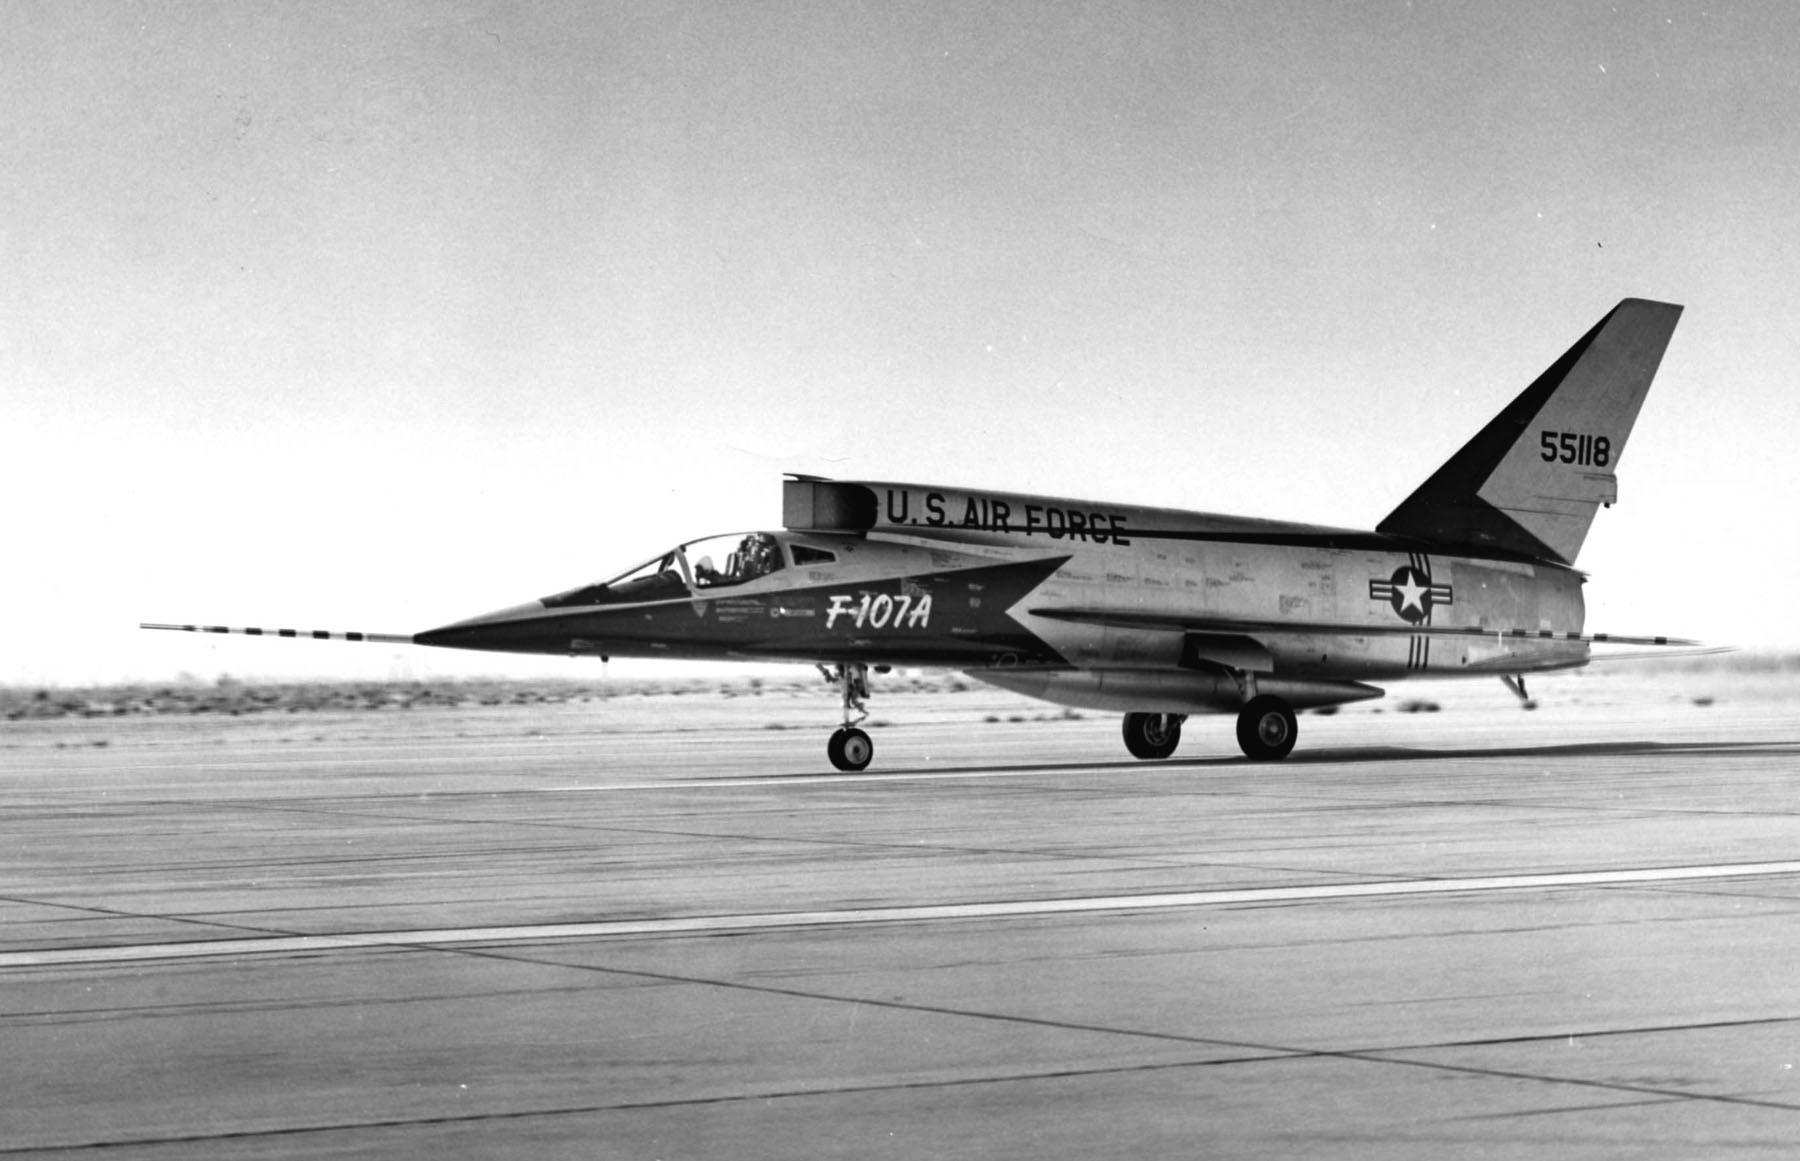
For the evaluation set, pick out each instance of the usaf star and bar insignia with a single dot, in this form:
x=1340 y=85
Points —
x=1411 y=592
x=1413 y=595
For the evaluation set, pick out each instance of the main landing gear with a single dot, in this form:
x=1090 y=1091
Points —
x=850 y=749
x=1266 y=730
x=1152 y=735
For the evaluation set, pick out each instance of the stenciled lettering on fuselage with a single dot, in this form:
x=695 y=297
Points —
x=904 y=507
x=879 y=610
x=1412 y=594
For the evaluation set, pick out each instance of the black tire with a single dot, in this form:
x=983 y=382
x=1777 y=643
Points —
x=850 y=750
x=1152 y=736
x=1266 y=729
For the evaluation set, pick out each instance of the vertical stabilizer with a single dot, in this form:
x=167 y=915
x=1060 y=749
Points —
x=1531 y=481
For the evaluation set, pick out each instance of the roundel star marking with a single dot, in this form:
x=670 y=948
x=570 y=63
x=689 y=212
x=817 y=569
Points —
x=1410 y=593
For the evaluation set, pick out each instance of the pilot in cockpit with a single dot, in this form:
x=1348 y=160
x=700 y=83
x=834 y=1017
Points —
x=755 y=555
x=758 y=555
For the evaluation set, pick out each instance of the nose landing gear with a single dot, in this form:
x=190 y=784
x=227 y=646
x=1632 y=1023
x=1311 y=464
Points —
x=850 y=749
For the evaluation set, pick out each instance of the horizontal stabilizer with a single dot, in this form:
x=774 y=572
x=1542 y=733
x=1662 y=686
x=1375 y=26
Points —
x=308 y=634
x=1662 y=654
x=1179 y=623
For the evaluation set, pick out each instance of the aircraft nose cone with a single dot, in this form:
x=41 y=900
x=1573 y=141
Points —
x=496 y=630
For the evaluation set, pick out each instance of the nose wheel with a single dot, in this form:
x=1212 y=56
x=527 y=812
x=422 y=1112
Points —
x=850 y=749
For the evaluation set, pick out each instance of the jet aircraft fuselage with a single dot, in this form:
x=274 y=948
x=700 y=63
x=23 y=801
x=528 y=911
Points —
x=1154 y=612
x=1102 y=606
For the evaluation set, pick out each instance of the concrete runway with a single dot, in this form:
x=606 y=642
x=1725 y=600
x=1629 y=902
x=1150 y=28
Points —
x=1565 y=934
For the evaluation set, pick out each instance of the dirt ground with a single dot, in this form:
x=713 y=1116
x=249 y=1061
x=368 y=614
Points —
x=300 y=713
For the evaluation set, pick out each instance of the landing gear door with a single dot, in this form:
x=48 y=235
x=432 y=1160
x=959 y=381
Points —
x=1215 y=650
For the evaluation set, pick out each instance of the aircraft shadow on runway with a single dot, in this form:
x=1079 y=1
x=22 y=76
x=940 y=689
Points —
x=1574 y=751
x=1567 y=750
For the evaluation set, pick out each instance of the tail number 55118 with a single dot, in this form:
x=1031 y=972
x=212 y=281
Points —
x=1572 y=447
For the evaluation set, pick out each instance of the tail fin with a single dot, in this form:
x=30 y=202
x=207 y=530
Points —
x=1532 y=479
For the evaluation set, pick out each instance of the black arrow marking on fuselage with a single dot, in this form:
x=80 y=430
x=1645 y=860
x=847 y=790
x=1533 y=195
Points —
x=967 y=622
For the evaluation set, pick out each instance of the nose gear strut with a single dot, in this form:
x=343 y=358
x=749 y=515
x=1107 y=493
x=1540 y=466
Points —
x=850 y=749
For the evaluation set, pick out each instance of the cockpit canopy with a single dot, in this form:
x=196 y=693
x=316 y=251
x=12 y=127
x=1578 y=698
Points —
x=711 y=563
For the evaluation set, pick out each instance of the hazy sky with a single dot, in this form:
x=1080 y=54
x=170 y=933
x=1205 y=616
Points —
x=373 y=316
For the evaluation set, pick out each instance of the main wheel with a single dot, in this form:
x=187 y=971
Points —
x=1266 y=728
x=850 y=750
x=1152 y=735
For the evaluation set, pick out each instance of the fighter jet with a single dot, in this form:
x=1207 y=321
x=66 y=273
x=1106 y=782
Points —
x=1154 y=613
